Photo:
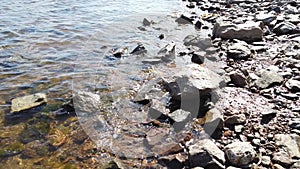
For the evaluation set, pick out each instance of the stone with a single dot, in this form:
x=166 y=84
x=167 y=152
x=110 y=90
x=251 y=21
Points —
x=175 y=161
x=180 y=115
x=167 y=53
x=156 y=136
x=236 y=119
x=140 y=49
x=293 y=85
x=238 y=79
x=27 y=102
x=268 y=78
x=205 y=153
x=266 y=160
x=277 y=166
x=238 y=51
x=266 y=18
x=198 y=77
x=197 y=40
x=240 y=153
x=282 y=158
x=197 y=58
x=249 y=31
x=146 y=22
x=212 y=123
x=296 y=165
x=295 y=123
x=183 y=19
x=286 y=141
x=198 y=24
x=86 y=102
x=285 y=28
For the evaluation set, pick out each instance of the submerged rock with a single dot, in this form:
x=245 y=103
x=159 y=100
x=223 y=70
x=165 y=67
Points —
x=28 y=102
x=140 y=49
x=249 y=31
x=86 y=102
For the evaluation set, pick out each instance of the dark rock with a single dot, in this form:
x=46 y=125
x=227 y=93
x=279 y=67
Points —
x=235 y=119
x=295 y=124
x=198 y=25
x=238 y=79
x=285 y=28
x=140 y=49
x=161 y=36
x=197 y=58
x=282 y=158
x=172 y=161
x=146 y=22
x=167 y=53
x=184 y=20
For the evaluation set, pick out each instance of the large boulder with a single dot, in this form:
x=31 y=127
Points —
x=249 y=31
x=27 y=102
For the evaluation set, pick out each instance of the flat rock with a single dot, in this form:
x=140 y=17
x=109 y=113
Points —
x=212 y=123
x=28 y=102
x=86 y=102
x=198 y=77
x=249 y=31
x=236 y=119
x=282 y=157
x=180 y=115
x=197 y=40
x=268 y=78
x=285 y=28
x=238 y=51
x=240 y=153
x=266 y=18
x=205 y=153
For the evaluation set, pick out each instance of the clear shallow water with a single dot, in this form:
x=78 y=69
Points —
x=42 y=43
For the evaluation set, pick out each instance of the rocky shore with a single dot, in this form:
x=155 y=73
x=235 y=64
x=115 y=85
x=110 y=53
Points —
x=226 y=96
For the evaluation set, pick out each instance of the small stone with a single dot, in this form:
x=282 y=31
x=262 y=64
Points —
x=197 y=58
x=285 y=28
x=265 y=160
x=183 y=19
x=140 y=49
x=238 y=128
x=198 y=25
x=236 y=119
x=238 y=51
x=256 y=142
x=277 y=166
x=238 y=79
x=295 y=123
x=293 y=85
x=180 y=115
x=146 y=22
x=240 y=153
x=28 y=102
x=199 y=41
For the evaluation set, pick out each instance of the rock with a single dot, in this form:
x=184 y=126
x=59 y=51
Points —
x=200 y=42
x=180 y=115
x=28 y=102
x=266 y=18
x=183 y=19
x=205 y=153
x=296 y=165
x=146 y=22
x=175 y=161
x=140 y=49
x=86 y=102
x=282 y=158
x=212 y=123
x=249 y=31
x=295 y=123
x=197 y=58
x=118 y=53
x=265 y=160
x=198 y=25
x=156 y=136
x=240 y=153
x=238 y=79
x=236 y=119
x=285 y=28
x=198 y=77
x=277 y=166
x=293 y=85
x=268 y=78
x=286 y=141
x=167 y=53
x=238 y=51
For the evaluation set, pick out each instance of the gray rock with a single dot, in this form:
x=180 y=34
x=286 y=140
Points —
x=296 y=165
x=172 y=161
x=146 y=22
x=249 y=31
x=266 y=18
x=268 y=78
x=27 y=102
x=197 y=40
x=198 y=77
x=286 y=141
x=285 y=28
x=277 y=166
x=240 y=153
x=282 y=158
x=212 y=123
x=184 y=19
x=167 y=53
x=180 y=115
x=266 y=160
x=295 y=123
x=205 y=153
x=293 y=85
x=238 y=79
x=86 y=102
x=236 y=119
x=238 y=51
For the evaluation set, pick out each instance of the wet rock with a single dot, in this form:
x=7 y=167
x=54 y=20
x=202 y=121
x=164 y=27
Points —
x=28 y=102
x=205 y=153
x=286 y=141
x=157 y=136
x=161 y=36
x=167 y=53
x=249 y=31
x=200 y=42
x=183 y=19
x=293 y=85
x=285 y=28
x=86 y=102
x=146 y=22
x=140 y=49
x=197 y=58
x=198 y=77
x=198 y=24
x=268 y=78
x=236 y=119
x=238 y=51
x=238 y=79
x=240 y=153
x=119 y=52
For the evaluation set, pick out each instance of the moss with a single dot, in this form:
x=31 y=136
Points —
x=15 y=147
x=43 y=127
x=69 y=166
x=110 y=165
x=51 y=107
